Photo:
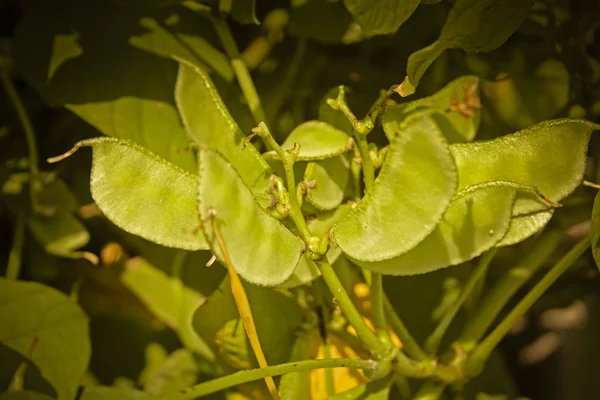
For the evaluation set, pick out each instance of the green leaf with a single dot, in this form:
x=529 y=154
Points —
x=330 y=178
x=595 y=232
x=113 y=393
x=318 y=141
x=455 y=109
x=60 y=234
x=472 y=25
x=167 y=299
x=178 y=372
x=119 y=80
x=413 y=189
x=277 y=317
x=31 y=312
x=322 y=20
x=381 y=17
x=375 y=390
x=475 y=221
x=208 y=122
x=523 y=226
x=144 y=194
x=262 y=250
x=241 y=10
x=551 y=156
x=297 y=385
x=24 y=395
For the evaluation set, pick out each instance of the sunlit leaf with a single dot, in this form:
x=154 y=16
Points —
x=381 y=17
x=415 y=185
x=144 y=194
x=262 y=250
x=330 y=178
x=42 y=321
x=208 y=122
x=523 y=226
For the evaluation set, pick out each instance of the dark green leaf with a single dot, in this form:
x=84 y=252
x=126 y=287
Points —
x=241 y=10
x=31 y=312
x=381 y=17
x=413 y=189
x=262 y=250
x=179 y=371
x=25 y=395
x=113 y=393
x=321 y=20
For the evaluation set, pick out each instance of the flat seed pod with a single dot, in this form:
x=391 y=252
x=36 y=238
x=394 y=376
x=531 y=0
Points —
x=262 y=250
x=208 y=122
x=551 y=156
x=331 y=177
x=318 y=140
x=413 y=189
x=143 y=194
x=524 y=226
x=477 y=219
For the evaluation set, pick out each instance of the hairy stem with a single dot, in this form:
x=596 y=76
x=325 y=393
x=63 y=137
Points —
x=241 y=71
x=432 y=342
x=238 y=378
x=506 y=287
x=483 y=351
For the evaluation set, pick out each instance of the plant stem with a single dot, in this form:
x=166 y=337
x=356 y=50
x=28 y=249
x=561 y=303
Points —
x=13 y=267
x=483 y=350
x=365 y=334
x=430 y=391
x=506 y=287
x=378 y=311
x=367 y=163
x=409 y=344
x=240 y=69
x=432 y=342
x=240 y=377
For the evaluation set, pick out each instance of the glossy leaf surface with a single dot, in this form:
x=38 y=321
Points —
x=381 y=17
x=32 y=312
x=208 y=123
x=318 y=140
x=395 y=216
x=472 y=25
x=262 y=250
x=330 y=178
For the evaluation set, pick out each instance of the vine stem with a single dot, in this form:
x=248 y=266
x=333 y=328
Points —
x=240 y=377
x=13 y=267
x=239 y=68
x=409 y=344
x=483 y=350
x=432 y=342
x=508 y=285
x=241 y=300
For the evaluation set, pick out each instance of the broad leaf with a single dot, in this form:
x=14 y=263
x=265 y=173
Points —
x=475 y=221
x=595 y=233
x=455 y=109
x=381 y=17
x=551 y=156
x=472 y=25
x=168 y=299
x=375 y=390
x=119 y=80
x=523 y=226
x=40 y=319
x=262 y=250
x=241 y=10
x=415 y=185
x=330 y=178
x=178 y=372
x=219 y=322
x=144 y=194
x=321 y=20
x=208 y=123
x=318 y=140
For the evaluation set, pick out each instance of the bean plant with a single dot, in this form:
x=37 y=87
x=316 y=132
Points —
x=375 y=239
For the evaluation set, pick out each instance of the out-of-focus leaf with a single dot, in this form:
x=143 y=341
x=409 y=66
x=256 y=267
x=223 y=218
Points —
x=321 y=20
x=120 y=80
x=178 y=372
x=595 y=233
x=168 y=299
x=330 y=178
x=60 y=234
x=208 y=123
x=318 y=140
x=526 y=97
x=277 y=317
x=113 y=393
x=472 y=25
x=381 y=17
x=144 y=194
x=296 y=385
x=48 y=328
x=241 y=10
x=146 y=3
x=396 y=215
x=375 y=390
x=455 y=109
x=262 y=250
x=24 y=395
x=475 y=221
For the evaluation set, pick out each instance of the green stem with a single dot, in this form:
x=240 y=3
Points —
x=240 y=69
x=13 y=267
x=430 y=391
x=365 y=334
x=432 y=342
x=379 y=320
x=367 y=163
x=320 y=291
x=409 y=344
x=403 y=387
x=240 y=377
x=483 y=351
x=506 y=287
